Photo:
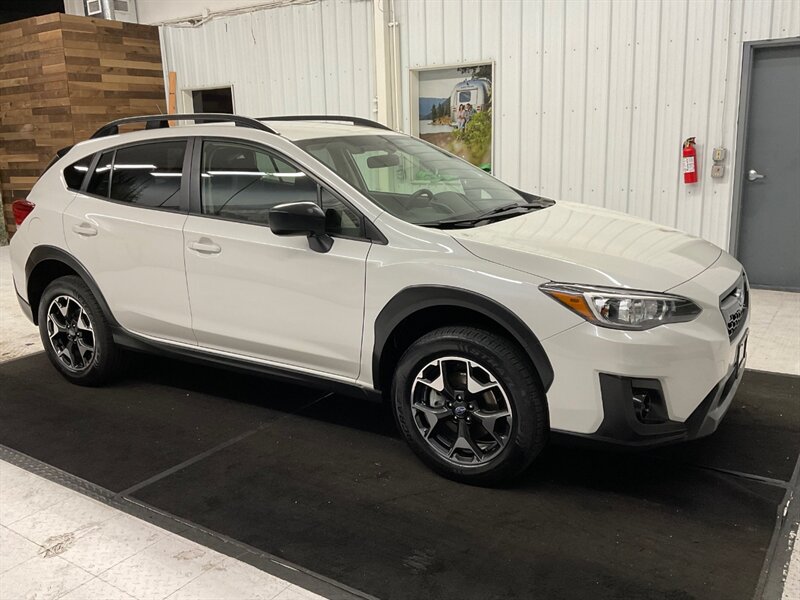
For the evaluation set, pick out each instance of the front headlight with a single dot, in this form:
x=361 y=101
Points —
x=620 y=308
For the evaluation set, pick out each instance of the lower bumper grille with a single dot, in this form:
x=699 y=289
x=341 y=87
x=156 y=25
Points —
x=734 y=305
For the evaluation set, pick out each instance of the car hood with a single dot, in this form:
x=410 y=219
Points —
x=576 y=243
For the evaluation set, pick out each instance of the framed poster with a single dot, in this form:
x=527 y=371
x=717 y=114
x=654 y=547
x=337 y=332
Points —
x=452 y=109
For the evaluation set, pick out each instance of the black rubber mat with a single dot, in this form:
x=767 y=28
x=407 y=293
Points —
x=120 y=435
x=759 y=435
x=328 y=485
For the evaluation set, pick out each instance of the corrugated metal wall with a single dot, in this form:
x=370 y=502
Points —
x=593 y=98
x=312 y=58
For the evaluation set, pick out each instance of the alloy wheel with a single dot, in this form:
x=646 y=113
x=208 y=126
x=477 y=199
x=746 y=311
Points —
x=71 y=333
x=461 y=410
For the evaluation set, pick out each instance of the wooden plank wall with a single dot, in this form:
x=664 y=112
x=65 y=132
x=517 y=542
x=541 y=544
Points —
x=34 y=103
x=113 y=69
x=62 y=77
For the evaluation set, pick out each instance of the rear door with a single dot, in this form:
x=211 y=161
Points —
x=126 y=226
x=264 y=296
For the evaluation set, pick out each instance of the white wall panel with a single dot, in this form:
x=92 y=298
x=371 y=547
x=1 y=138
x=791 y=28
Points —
x=696 y=103
x=611 y=92
x=452 y=32
x=511 y=122
x=593 y=98
x=575 y=91
x=553 y=76
x=529 y=156
x=645 y=109
x=311 y=58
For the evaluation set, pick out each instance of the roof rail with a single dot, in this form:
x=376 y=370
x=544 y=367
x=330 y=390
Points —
x=353 y=120
x=158 y=121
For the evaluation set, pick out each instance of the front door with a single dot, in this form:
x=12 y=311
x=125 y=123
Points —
x=269 y=297
x=769 y=242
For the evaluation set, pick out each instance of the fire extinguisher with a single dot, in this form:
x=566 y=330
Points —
x=689 y=161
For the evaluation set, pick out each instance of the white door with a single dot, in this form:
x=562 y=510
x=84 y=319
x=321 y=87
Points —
x=127 y=230
x=264 y=296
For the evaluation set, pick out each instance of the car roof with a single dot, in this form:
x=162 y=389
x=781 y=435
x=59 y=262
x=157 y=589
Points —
x=304 y=130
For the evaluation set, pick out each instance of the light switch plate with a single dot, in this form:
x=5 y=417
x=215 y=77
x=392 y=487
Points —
x=717 y=171
x=718 y=155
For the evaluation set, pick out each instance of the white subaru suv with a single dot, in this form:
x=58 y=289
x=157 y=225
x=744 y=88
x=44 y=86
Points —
x=335 y=251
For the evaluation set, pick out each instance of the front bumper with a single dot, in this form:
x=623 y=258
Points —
x=694 y=368
x=621 y=425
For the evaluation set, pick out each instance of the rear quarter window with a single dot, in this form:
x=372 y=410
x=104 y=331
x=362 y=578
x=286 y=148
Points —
x=76 y=172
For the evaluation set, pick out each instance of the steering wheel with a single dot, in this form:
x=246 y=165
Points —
x=422 y=192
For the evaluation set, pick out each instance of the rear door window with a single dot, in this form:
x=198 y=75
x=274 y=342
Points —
x=101 y=177
x=144 y=174
x=149 y=174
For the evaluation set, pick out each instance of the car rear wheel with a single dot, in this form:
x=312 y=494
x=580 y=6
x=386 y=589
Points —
x=470 y=405
x=75 y=333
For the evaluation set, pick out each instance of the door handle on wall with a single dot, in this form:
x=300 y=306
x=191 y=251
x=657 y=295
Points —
x=753 y=175
x=205 y=247
x=85 y=229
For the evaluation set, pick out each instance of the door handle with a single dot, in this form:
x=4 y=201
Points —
x=207 y=247
x=753 y=175
x=85 y=229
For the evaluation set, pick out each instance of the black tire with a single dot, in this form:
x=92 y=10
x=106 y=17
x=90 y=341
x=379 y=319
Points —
x=526 y=434
x=105 y=360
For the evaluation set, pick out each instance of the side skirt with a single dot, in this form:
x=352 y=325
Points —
x=137 y=343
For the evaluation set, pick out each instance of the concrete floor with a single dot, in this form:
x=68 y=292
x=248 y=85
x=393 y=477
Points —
x=774 y=342
x=57 y=543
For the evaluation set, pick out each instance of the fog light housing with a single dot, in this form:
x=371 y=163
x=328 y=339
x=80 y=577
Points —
x=648 y=405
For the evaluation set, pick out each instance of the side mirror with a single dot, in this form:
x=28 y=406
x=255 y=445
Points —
x=301 y=218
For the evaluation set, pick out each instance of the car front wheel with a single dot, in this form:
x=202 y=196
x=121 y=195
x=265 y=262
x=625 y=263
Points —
x=470 y=405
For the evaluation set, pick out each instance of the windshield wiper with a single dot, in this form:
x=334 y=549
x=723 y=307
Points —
x=505 y=209
x=509 y=210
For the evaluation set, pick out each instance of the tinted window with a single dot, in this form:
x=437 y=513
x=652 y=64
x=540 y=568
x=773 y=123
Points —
x=340 y=218
x=242 y=182
x=148 y=174
x=75 y=173
x=101 y=176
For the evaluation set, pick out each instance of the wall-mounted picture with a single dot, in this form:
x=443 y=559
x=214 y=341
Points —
x=455 y=111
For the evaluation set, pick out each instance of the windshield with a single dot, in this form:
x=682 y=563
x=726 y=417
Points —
x=417 y=182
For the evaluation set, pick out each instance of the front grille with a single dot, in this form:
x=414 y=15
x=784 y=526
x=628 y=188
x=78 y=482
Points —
x=734 y=305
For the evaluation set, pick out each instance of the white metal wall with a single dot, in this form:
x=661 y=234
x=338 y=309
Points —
x=311 y=58
x=593 y=98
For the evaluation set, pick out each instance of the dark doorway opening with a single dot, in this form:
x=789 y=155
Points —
x=217 y=100
x=14 y=12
